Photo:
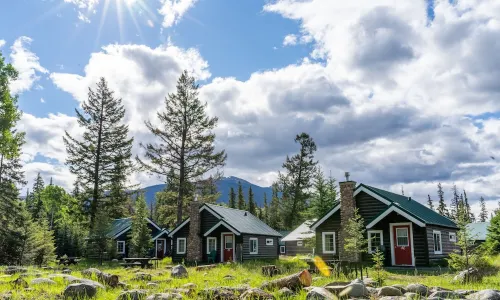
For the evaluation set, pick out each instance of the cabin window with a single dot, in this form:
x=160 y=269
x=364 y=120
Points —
x=402 y=237
x=453 y=237
x=120 y=247
x=282 y=249
x=211 y=244
x=438 y=247
x=375 y=240
x=328 y=242
x=300 y=243
x=269 y=242
x=181 y=245
x=254 y=246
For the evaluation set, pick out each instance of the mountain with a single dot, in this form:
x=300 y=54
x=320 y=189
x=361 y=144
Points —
x=223 y=187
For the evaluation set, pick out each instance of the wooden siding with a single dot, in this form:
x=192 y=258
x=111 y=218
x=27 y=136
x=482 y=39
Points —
x=331 y=224
x=447 y=246
x=208 y=220
x=265 y=252
x=292 y=249
x=369 y=207
x=126 y=237
x=217 y=234
x=182 y=233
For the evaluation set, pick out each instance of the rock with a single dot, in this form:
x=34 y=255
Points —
x=186 y=292
x=412 y=296
x=485 y=295
x=217 y=294
x=417 y=288
x=66 y=277
x=400 y=287
x=228 y=277
x=190 y=286
x=370 y=282
x=355 y=290
x=66 y=271
x=337 y=283
x=445 y=295
x=437 y=289
x=91 y=282
x=465 y=292
x=14 y=270
x=308 y=288
x=91 y=272
x=48 y=268
x=142 y=276
x=79 y=291
x=122 y=285
x=335 y=289
x=179 y=271
x=393 y=298
x=132 y=295
x=256 y=294
x=37 y=281
x=389 y=291
x=164 y=296
x=473 y=276
x=285 y=293
x=152 y=284
x=6 y=296
x=319 y=293
x=372 y=290
x=357 y=280
x=19 y=283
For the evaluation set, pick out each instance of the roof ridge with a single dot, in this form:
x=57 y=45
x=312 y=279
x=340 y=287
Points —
x=211 y=204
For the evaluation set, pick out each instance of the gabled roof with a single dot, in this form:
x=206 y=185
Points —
x=304 y=231
x=120 y=226
x=479 y=230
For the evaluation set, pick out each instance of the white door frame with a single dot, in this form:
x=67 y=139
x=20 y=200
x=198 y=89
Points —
x=393 y=257
x=164 y=246
x=222 y=245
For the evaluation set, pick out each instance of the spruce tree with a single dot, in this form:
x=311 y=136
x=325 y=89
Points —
x=274 y=211
x=232 y=198
x=261 y=215
x=483 y=214
x=266 y=209
x=429 y=202
x=140 y=233
x=251 y=203
x=105 y=143
x=117 y=200
x=470 y=214
x=41 y=243
x=296 y=181
x=441 y=209
x=455 y=202
x=37 y=207
x=186 y=139
x=241 y=199
x=324 y=194
x=99 y=240
x=355 y=241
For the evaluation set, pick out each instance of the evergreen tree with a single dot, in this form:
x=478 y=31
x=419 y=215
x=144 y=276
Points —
x=37 y=210
x=324 y=195
x=187 y=139
x=140 y=233
x=274 y=213
x=99 y=234
x=105 y=143
x=296 y=182
x=429 y=202
x=441 y=209
x=117 y=201
x=355 y=241
x=41 y=245
x=472 y=218
x=232 y=198
x=266 y=210
x=261 y=215
x=483 y=214
x=251 y=203
x=455 y=202
x=241 y=199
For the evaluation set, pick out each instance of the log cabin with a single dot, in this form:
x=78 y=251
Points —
x=297 y=241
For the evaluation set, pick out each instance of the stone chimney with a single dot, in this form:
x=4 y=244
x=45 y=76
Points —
x=347 y=206
x=194 y=241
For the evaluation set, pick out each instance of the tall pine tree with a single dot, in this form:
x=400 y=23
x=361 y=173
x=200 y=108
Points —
x=324 y=194
x=241 y=199
x=251 y=202
x=37 y=208
x=187 y=141
x=266 y=209
x=441 y=209
x=105 y=143
x=296 y=181
x=455 y=202
x=232 y=198
x=483 y=214
x=274 y=211
x=470 y=214
x=140 y=233
x=429 y=202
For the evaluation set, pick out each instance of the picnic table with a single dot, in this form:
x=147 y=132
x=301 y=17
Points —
x=68 y=261
x=143 y=262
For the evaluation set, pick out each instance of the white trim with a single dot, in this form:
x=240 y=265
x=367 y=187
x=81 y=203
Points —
x=160 y=234
x=300 y=243
x=121 y=232
x=177 y=246
x=118 y=251
x=222 y=222
x=213 y=212
x=329 y=214
x=222 y=246
x=269 y=242
x=208 y=243
x=374 y=195
x=164 y=246
x=370 y=240
x=153 y=223
x=250 y=245
x=397 y=210
x=437 y=232
x=454 y=234
x=391 y=234
x=323 y=234
x=171 y=234
x=282 y=251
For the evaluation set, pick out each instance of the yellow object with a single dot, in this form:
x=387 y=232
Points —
x=321 y=265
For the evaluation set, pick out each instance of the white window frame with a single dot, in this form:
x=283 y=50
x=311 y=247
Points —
x=453 y=237
x=300 y=243
x=370 y=239
x=282 y=249
x=256 y=245
x=434 y=233
x=177 y=245
x=269 y=242
x=118 y=247
x=208 y=243
x=323 y=235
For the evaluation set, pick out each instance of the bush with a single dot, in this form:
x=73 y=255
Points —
x=292 y=264
x=458 y=262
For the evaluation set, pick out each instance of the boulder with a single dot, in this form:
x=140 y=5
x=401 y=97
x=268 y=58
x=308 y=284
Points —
x=132 y=295
x=446 y=295
x=400 y=287
x=91 y=282
x=79 y=291
x=335 y=289
x=190 y=286
x=465 y=292
x=370 y=282
x=122 y=285
x=142 y=276
x=319 y=293
x=19 y=283
x=217 y=294
x=285 y=293
x=38 y=281
x=91 y=272
x=186 y=292
x=228 y=277
x=179 y=271
x=485 y=295
x=355 y=290
x=66 y=271
x=14 y=270
x=473 y=274
x=256 y=294
x=337 y=283
x=412 y=296
x=393 y=298
x=357 y=280
x=417 y=288
x=152 y=284
x=66 y=277
x=389 y=291
x=6 y=296
x=164 y=296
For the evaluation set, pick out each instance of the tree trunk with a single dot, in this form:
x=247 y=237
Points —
x=1 y=168
x=294 y=282
x=93 y=205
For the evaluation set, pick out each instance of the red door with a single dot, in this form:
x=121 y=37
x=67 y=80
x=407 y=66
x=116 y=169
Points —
x=402 y=245
x=228 y=247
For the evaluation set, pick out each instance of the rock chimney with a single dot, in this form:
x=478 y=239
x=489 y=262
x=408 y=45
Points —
x=194 y=241
x=347 y=206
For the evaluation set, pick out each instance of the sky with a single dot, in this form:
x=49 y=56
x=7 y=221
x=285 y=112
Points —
x=402 y=94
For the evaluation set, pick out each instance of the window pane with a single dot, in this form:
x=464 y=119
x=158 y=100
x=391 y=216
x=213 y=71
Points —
x=329 y=246
x=437 y=242
x=211 y=245
x=375 y=241
x=229 y=242
x=402 y=236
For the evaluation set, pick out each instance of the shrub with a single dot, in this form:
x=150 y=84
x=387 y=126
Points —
x=378 y=266
x=458 y=262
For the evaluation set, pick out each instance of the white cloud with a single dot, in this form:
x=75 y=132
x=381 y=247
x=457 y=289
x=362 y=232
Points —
x=2 y=43
x=151 y=24
x=290 y=40
x=42 y=100
x=27 y=64
x=82 y=17
x=173 y=10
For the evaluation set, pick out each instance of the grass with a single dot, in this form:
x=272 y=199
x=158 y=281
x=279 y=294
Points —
x=247 y=273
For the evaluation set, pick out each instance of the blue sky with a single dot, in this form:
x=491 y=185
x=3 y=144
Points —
x=399 y=93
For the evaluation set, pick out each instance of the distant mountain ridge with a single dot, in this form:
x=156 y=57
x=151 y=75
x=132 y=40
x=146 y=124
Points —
x=223 y=187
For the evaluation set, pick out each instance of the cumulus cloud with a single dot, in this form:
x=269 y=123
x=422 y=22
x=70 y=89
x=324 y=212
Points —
x=290 y=40
x=27 y=64
x=173 y=10
x=2 y=43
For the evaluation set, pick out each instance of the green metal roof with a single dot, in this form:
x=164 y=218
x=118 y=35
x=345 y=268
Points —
x=412 y=207
x=243 y=221
x=119 y=225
